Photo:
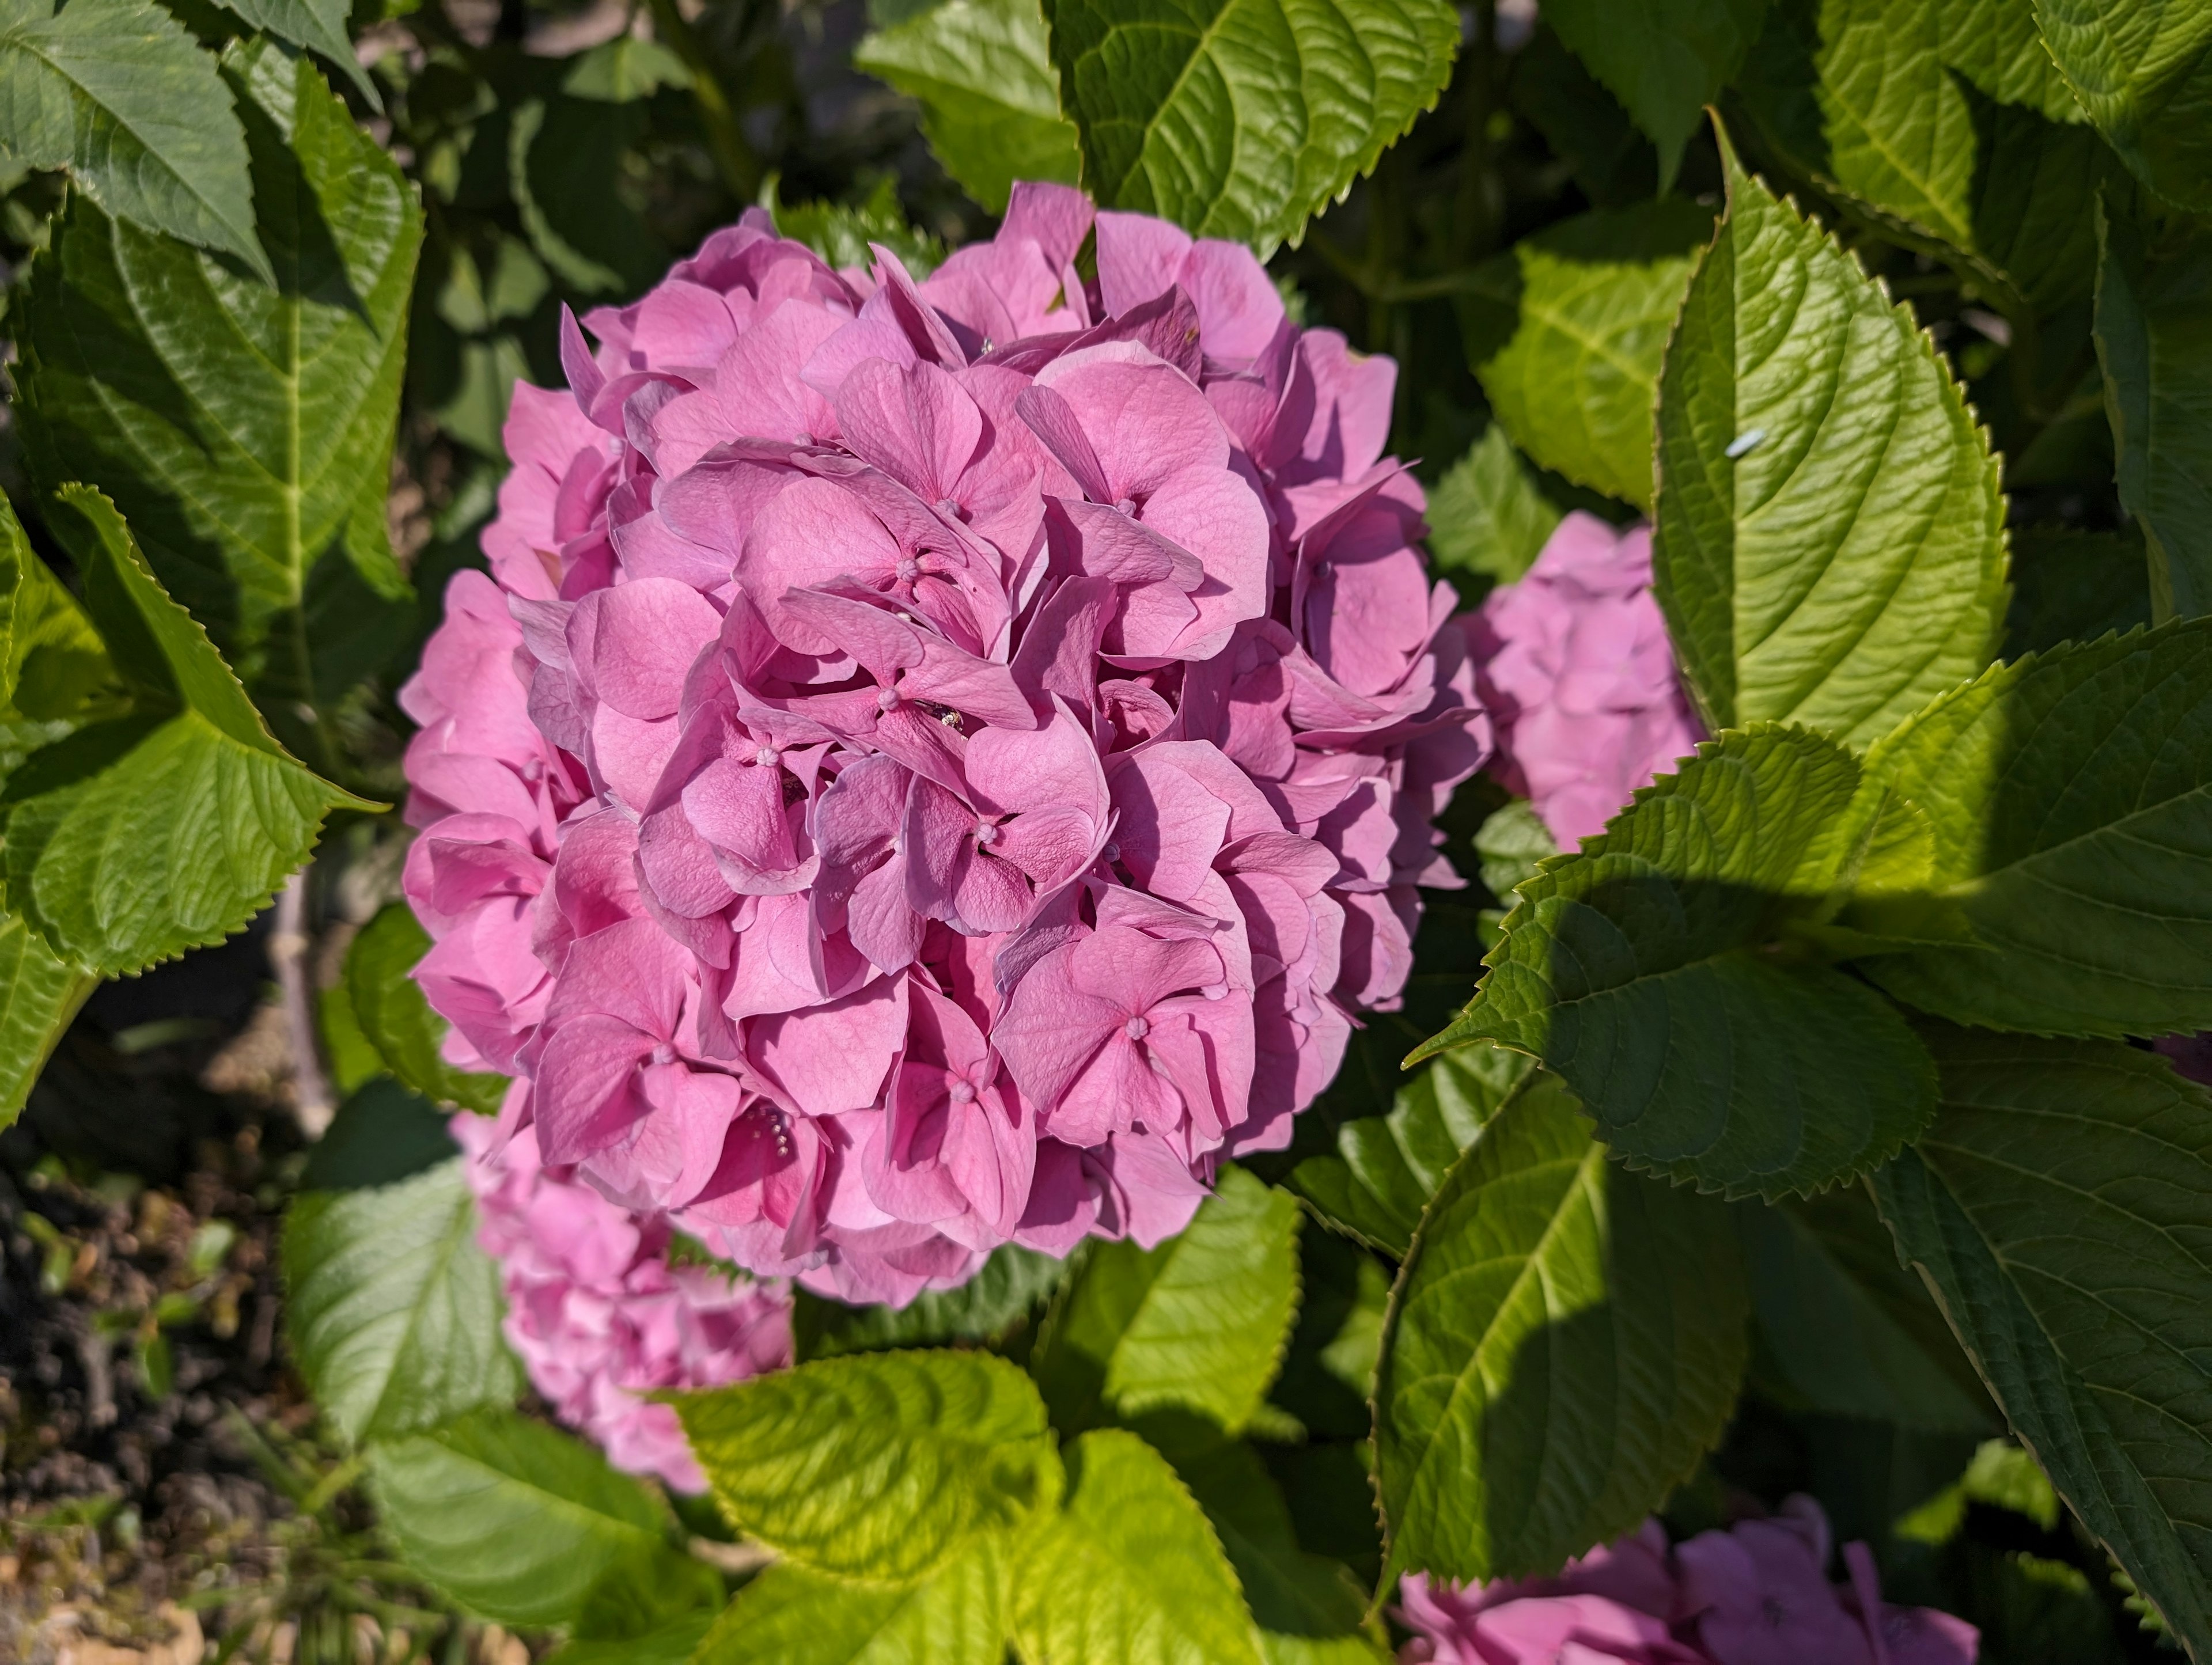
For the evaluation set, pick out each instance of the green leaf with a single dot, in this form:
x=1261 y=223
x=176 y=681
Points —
x=1131 y=1573
x=246 y=432
x=380 y=1135
x=1511 y=842
x=2058 y=1209
x=1239 y=118
x=1651 y=972
x=1567 y=333
x=139 y=838
x=398 y=1021
x=1386 y=1168
x=2155 y=341
x=519 y=1521
x=565 y=168
x=116 y=92
x=1009 y=1288
x=1846 y=1330
x=2142 y=69
x=39 y=995
x=1564 y=1342
x=1664 y=59
x=1613 y=164
x=1865 y=98
x=2071 y=586
x=392 y=1309
x=55 y=674
x=876 y=1466
x=672 y=1644
x=959 y=1615
x=626 y=68
x=1848 y=562
x=319 y=26
x=2071 y=803
x=982 y=73
x=1309 y=1608
x=840 y=232
x=1995 y=44
x=1486 y=518
x=1197 y=1324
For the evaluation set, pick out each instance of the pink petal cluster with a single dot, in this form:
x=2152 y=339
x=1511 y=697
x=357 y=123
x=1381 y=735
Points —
x=935 y=764
x=1579 y=678
x=598 y=1315
x=1756 y=1594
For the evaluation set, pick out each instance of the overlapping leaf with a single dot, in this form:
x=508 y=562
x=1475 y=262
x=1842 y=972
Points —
x=1643 y=972
x=1665 y=60
x=1568 y=332
x=989 y=96
x=878 y=1465
x=166 y=829
x=393 y=1311
x=2154 y=341
x=1238 y=118
x=1566 y=1340
x=389 y=1007
x=2070 y=798
x=119 y=92
x=959 y=1615
x=318 y=25
x=1945 y=123
x=2059 y=1209
x=1309 y=1609
x=1131 y=1572
x=520 y=1521
x=1386 y=1168
x=2142 y=69
x=1995 y=45
x=1829 y=546
x=246 y=432
x=1845 y=1330
x=1198 y=1323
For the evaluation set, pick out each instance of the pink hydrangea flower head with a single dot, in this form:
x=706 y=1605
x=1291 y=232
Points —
x=1756 y=1594
x=935 y=764
x=1580 y=678
x=600 y=1317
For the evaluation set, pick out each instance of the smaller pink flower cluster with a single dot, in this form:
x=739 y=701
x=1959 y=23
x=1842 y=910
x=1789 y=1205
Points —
x=1579 y=679
x=598 y=1314
x=1756 y=1594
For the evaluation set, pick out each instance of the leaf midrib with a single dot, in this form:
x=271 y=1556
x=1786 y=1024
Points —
x=460 y=1218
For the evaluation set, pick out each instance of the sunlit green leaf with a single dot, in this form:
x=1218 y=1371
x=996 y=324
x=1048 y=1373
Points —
x=1487 y=521
x=1198 y=1323
x=392 y=1309
x=880 y=1465
x=958 y=1615
x=1829 y=546
x=1238 y=118
x=1567 y=333
x=247 y=431
x=119 y=92
x=1565 y=1341
x=982 y=72
x=1131 y=1572
x=2142 y=69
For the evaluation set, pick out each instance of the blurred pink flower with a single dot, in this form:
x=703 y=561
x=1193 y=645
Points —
x=935 y=764
x=598 y=1315
x=1579 y=678
x=1756 y=1594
